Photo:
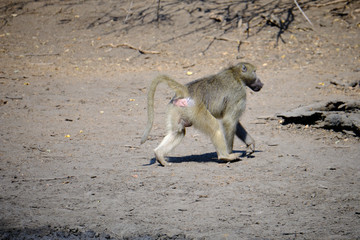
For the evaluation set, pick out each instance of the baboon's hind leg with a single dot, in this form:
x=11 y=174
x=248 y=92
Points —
x=175 y=133
x=228 y=128
x=171 y=140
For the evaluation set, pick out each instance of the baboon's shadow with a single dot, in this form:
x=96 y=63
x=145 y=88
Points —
x=204 y=158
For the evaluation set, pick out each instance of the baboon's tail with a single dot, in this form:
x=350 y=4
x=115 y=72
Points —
x=180 y=90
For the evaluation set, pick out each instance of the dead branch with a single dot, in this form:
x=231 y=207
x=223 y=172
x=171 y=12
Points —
x=237 y=41
x=158 y=11
x=224 y=39
x=129 y=12
x=298 y=6
x=14 y=98
x=329 y=3
x=131 y=147
x=41 y=55
x=42 y=179
x=125 y=45
x=208 y=46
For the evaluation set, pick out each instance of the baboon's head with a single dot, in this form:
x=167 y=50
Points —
x=247 y=73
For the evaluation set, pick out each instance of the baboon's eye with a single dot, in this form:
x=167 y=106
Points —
x=243 y=69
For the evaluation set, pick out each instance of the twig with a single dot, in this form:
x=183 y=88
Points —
x=158 y=11
x=128 y=12
x=329 y=3
x=239 y=42
x=211 y=42
x=131 y=147
x=125 y=45
x=303 y=13
x=14 y=98
x=41 y=55
x=225 y=39
x=294 y=233
x=43 y=179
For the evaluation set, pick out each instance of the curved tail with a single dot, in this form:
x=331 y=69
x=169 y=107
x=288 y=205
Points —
x=180 y=90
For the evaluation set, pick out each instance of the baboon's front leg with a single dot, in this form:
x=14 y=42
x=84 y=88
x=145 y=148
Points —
x=246 y=138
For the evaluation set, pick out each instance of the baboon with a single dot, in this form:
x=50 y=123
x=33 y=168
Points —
x=211 y=104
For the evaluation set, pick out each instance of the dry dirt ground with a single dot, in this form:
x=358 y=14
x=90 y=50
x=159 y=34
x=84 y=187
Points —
x=73 y=82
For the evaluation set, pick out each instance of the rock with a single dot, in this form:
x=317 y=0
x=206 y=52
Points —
x=340 y=115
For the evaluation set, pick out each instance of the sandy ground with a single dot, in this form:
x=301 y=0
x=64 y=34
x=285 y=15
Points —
x=73 y=83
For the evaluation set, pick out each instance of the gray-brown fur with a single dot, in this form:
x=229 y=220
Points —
x=217 y=103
